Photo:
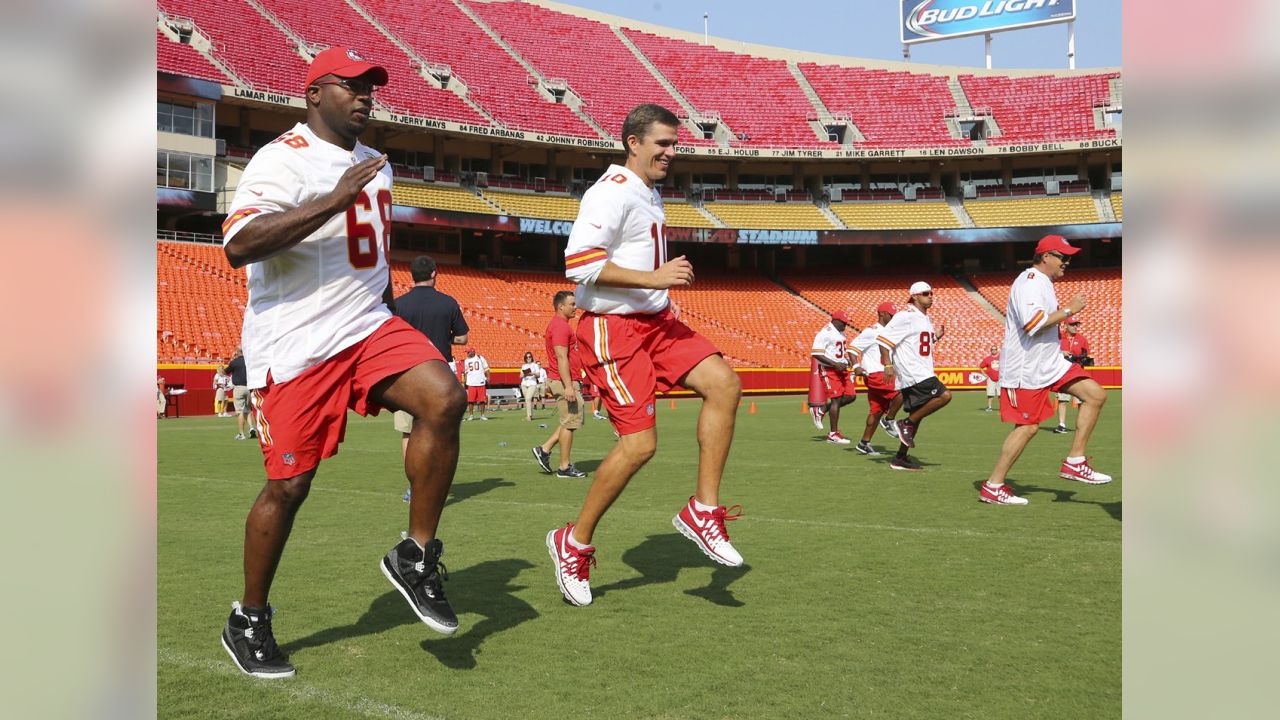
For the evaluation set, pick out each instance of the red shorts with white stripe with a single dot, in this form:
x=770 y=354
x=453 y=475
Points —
x=477 y=394
x=1022 y=406
x=302 y=421
x=880 y=393
x=838 y=383
x=631 y=358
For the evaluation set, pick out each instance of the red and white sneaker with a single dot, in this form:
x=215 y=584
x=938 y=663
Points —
x=706 y=530
x=573 y=566
x=1000 y=495
x=838 y=439
x=1082 y=472
x=817 y=414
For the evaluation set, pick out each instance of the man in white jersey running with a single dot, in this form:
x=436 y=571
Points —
x=311 y=223
x=838 y=387
x=906 y=351
x=883 y=398
x=1032 y=366
x=633 y=346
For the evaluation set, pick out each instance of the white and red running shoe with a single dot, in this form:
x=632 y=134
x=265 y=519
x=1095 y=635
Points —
x=706 y=530
x=838 y=439
x=1082 y=472
x=1000 y=495
x=573 y=566
x=817 y=414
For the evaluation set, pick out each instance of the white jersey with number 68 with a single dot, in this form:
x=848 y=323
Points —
x=323 y=295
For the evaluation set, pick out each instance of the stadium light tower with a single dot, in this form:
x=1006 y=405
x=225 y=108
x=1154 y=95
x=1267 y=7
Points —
x=704 y=28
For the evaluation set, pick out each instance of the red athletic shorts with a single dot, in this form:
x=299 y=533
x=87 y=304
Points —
x=1022 y=406
x=302 y=421
x=477 y=394
x=631 y=358
x=838 y=383
x=879 y=393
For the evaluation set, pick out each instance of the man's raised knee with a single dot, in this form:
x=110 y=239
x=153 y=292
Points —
x=291 y=492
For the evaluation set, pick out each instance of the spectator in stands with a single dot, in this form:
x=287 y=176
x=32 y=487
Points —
x=162 y=403
x=308 y=224
x=221 y=383
x=475 y=371
x=633 y=347
x=990 y=366
x=1033 y=365
x=1075 y=348
x=240 y=395
x=529 y=370
x=837 y=385
x=564 y=366
x=883 y=399
x=906 y=351
x=435 y=315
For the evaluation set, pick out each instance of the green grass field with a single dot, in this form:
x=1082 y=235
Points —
x=868 y=593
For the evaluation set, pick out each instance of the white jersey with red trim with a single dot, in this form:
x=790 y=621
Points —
x=1031 y=356
x=866 y=350
x=474 y=368
x=620 y=220
x=830 y=344
x=323 y=295
x=909 y=338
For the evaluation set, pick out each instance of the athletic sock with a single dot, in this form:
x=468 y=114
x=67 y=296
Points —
x=1076 y=460
x=702 y=508
x=574 y=542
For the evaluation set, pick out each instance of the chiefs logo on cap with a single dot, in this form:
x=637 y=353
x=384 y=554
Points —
x=355 y=56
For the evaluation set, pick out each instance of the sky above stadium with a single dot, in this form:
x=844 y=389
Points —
x=869 y=29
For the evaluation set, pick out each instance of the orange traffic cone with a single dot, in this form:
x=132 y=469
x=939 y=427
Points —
x=673 y=404
x=804 y=407
x=752 y=410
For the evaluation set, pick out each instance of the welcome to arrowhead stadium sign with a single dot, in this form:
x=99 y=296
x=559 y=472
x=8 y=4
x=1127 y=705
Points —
x=925 y=20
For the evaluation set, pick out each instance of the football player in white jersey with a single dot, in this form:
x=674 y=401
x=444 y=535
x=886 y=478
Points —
x=906 y=351
x=475 y=370
x=1032 y=365
x=311 y=223
x=838 y=386
x=633 y=346
x=883 y=398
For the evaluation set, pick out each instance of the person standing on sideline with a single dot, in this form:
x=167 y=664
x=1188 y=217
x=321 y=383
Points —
x=162 y=403
x=221 y=383
x=239 y=371
x=311 y=224
x=435 y=315
x=564 y=367
x=1075 y=348
x=906 y=351
x=990 y=366
x=1032 y=366
x=883 y=399
x=633 y=346
x=475 y=369
x=529 y=383
x=833 y=360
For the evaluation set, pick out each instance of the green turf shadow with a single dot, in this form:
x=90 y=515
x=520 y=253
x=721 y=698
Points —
x=660 y=558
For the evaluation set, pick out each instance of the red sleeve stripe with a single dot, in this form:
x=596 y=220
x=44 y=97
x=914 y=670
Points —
x=585 y=257
x=1035 y=320
x=885 y=341
x=237 y=217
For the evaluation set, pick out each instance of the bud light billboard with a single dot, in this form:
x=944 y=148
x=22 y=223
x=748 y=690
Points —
x=924 y=20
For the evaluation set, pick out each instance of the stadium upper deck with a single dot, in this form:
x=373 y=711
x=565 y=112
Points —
x=519 y=71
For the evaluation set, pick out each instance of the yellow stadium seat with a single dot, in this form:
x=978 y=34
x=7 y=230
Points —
x=441 y=197
x=896 y=215
x=535 y=205
x=770 y=216
x=1032 y=211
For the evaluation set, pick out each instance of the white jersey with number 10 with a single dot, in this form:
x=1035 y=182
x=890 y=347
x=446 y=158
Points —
x=323 y=295
x=621 y=221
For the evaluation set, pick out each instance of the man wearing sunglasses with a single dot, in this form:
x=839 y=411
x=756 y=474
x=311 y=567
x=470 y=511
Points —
x=311 y=223
x=906 y=352
x=1032 y=366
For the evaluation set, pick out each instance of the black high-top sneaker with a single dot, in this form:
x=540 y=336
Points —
x=249 y=641
x=418 y=574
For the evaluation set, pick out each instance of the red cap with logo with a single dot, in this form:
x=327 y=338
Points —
x=1055 y=243
x=886 y=307
x=471 y=349
x=842 y=316
x=345 y=63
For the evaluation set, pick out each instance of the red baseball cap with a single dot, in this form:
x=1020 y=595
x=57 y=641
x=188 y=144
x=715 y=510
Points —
x=345 y=63
x=471 y=349
x=886 y=307
x=1073 y=320
x=1055 y=243
x=842 y=316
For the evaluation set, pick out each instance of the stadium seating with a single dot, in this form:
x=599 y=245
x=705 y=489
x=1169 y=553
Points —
x=440 y=33
x=763 y=104
x=970 y=328
x=535 y=205
x=681 y=214
x=255 y=49
x=334 y=23
x=770 y=216
x=1117 y=205
x=891 y=109
x=1100 y=321
x=442 y=197
x=1043 y=107
x=584 y=53
x=200 y=303
x=182 y=59
x=900 y=215
x=1033 y=211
